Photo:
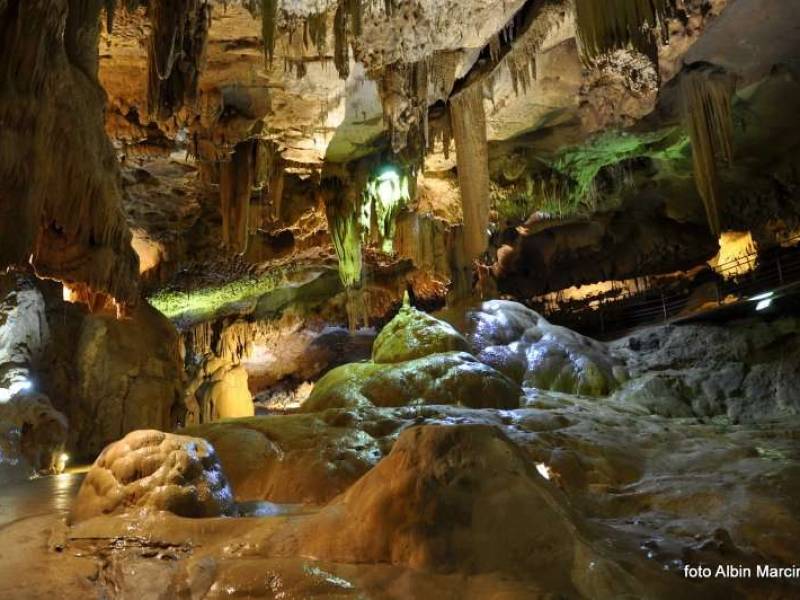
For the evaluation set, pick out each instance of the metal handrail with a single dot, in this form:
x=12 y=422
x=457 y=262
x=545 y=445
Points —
x=662 y=303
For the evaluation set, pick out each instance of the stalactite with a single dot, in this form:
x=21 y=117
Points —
x=440 y=130
x=404 y=96
x=384 y=197
x=269 y=27
x=706 y=92
x=274 y=169
x=63 y=217
x=617 y=24
x=523 y=46
x=442 y=74
x=345 y=231
x=341 y=53
x=316 y=31
x=176 y=53
x=472 y=157
x=235 y=187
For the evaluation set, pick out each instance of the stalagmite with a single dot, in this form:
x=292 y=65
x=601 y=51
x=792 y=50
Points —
x=472 y=156
x=617 y=24
x=235 y=186
x=706 y=92
x=176 y=53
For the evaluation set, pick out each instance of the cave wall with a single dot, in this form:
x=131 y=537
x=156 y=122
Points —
x=60 y=192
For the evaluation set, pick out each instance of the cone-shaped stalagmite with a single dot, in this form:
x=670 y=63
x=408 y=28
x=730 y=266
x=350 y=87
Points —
x=706 y=92
x=472 y=157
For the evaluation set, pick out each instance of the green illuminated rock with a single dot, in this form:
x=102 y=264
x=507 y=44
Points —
x=414 y=334
x=455 y=378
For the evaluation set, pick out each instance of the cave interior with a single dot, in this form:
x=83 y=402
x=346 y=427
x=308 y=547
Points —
x=403 y=299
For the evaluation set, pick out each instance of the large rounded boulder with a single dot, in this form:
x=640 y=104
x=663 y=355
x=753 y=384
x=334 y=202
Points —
x=524 y=345
x=454 y=378
x=155 y=471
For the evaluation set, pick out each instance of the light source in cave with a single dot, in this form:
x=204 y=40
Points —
x=384 y=197
x=543 y=470
x=737 y=254
x=61 y=462
x=17 y=386
x=764 y=304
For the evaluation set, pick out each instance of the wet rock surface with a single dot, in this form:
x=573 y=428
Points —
x=520 y=342
x=155 y=471
x=746 y=371
x=411 y=366
x=570 y=494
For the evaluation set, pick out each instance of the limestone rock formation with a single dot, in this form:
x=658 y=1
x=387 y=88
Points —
x=415 y=360
x=150 y=470
x=33 y=432
x=218 y=391
x=414 y=334
x=748 y=372
x=522 y=344
x=60 y=196
x=458 y=499
x=300 y=458
x=447 y=378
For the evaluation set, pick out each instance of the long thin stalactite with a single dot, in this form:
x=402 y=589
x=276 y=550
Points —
x=706 y=92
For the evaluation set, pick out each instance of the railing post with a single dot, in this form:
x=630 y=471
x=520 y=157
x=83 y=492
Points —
x=664 y=306
x=780 y=270
x=602 y=321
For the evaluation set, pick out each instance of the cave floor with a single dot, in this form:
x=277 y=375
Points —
x=655 y=494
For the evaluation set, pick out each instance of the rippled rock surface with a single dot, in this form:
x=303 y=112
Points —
x=155 y=471
x=525 y=346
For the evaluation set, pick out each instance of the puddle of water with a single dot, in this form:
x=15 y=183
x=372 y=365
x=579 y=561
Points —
x=262 y=508
x=40 y=496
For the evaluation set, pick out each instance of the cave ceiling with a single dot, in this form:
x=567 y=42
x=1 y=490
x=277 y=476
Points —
x=297 y=89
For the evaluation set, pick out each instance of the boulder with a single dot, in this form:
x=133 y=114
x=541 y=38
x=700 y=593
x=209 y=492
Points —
x=154 y=471
x=306 y=458
x=414 y=334
x=455 y=499
x=455 y=378
x=524 y=345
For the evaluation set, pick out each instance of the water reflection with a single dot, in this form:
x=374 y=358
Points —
x=44 y=495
